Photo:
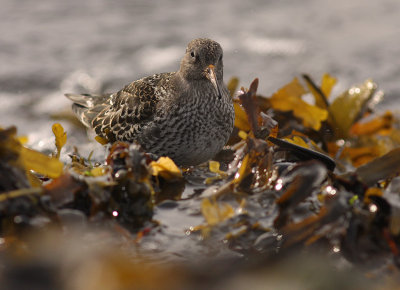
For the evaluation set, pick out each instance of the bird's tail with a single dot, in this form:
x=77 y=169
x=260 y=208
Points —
x=86 y=107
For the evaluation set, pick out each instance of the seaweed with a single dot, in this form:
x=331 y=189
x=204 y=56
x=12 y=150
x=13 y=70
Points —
x=296 y=177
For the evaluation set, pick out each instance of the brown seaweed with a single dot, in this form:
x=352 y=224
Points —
x=294 y=178
x=304 y=153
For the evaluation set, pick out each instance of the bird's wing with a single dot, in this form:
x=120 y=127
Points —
x=131 y=108
x=87 y=100
x=86 y=107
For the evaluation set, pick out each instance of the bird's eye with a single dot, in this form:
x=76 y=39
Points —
x=220 y=58
x=192 y=54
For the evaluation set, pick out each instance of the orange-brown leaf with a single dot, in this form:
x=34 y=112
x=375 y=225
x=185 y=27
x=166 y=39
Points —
x=232 y=85
x=288 y=98
x=241 y=121
x=215 y=212
x=41 y=163
x=368 y=128
x=327 y=83
x=349 y=106
x=60 y=136
x=249 y=103
x=165 y=168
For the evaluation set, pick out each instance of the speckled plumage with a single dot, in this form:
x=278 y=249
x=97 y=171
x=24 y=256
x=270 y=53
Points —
x=187 y=115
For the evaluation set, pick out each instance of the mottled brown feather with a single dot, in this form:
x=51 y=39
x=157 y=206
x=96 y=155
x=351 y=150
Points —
x=134 y=106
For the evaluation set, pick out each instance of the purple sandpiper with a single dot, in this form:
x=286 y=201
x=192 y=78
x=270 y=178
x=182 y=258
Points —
x=186 y=115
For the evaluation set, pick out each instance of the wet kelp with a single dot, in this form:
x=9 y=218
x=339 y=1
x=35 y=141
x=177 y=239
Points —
x=315 y=178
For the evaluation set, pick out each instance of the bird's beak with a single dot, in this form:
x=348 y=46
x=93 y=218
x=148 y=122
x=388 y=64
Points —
x=210 y=73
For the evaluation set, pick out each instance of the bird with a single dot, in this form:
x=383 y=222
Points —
x=186 y=115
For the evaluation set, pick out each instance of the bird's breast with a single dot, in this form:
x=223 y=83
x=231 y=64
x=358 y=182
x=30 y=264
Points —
x=192 y=130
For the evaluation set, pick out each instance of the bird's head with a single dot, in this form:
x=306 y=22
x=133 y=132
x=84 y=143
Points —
x=203 y=61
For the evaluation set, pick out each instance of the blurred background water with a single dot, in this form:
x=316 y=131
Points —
x=50 y=47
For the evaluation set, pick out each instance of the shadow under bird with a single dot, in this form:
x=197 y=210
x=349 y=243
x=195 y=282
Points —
x=186 y=115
